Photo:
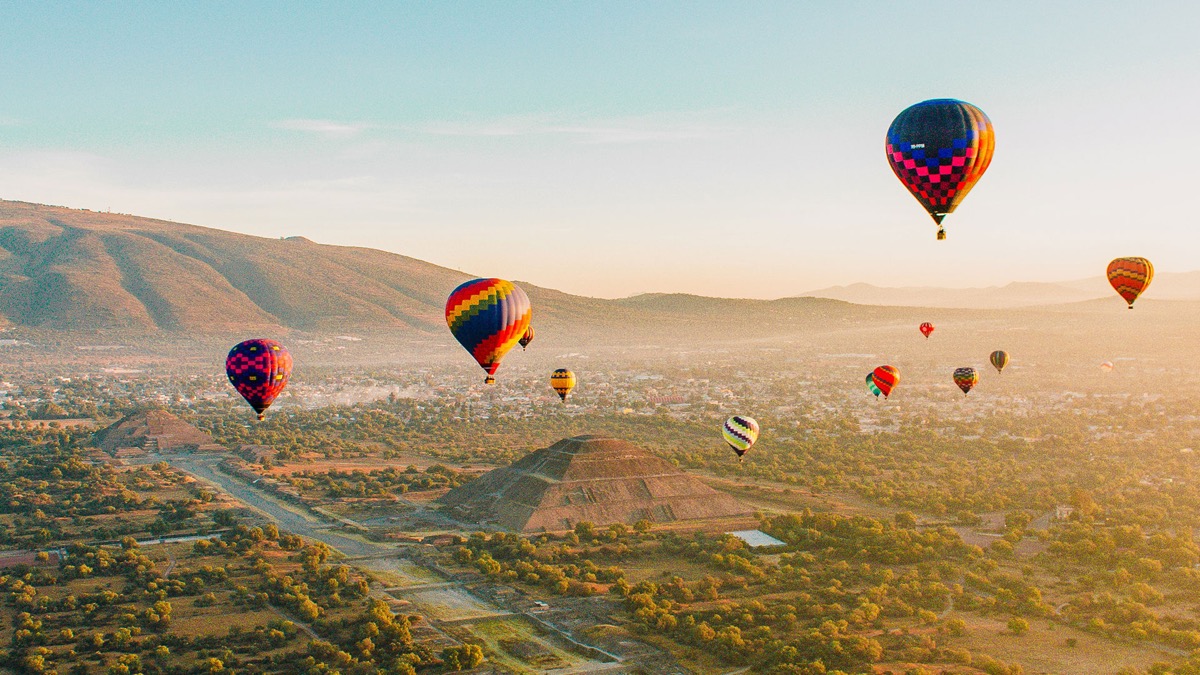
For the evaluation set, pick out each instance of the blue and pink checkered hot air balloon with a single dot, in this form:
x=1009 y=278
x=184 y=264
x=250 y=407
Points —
x=259 y=370
x=939 y=149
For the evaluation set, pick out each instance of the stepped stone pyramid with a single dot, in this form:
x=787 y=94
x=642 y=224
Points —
x=587 y=478
x=153 y=431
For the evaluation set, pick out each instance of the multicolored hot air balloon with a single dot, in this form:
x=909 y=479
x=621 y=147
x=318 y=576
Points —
x=563 y=381
x=740 y=433
x=999 y=360
x=885 y=379
x=526 y=338
x=966 y=379
x=259 y=370
x=871 y=385
x=1107 y=366
x=488 y=317
x=926 y=329
x=1130 y=276
x=939 y=149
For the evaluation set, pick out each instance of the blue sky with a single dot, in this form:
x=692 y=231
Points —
x=611 y=148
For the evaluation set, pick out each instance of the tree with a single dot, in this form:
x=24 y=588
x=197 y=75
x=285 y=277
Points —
x=1018 y=626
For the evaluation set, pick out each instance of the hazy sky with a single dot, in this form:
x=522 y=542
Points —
x=611 y=148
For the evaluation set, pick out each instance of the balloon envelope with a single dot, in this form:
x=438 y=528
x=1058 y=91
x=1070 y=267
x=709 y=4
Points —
x=926 y=329
x=966 y=379
x=1130 y=276
x=1107 y=366
x=885 y=378
x=563 y=381
x=939 y=149
x=871 y=385
x=999 y=359
x=526 y=338
x=740 y=433
x=488 y=317
x=259 y=369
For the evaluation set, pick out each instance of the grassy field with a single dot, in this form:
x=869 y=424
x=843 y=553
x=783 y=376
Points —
x=1044 y=648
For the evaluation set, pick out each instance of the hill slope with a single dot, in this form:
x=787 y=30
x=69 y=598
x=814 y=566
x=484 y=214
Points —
x=79 y=270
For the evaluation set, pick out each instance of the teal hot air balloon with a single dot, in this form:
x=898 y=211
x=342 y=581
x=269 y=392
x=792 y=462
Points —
x=871 y=384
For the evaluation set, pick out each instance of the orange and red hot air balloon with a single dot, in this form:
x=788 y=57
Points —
x=1130 y=276
x=885 y=379
x=926 y=329
x=526 y=338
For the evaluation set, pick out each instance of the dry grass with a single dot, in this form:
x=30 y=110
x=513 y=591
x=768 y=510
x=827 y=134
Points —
x=1044 y=648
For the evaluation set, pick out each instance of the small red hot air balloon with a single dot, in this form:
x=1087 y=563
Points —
x=926 y=329
x=526 y=338
x=885 y=378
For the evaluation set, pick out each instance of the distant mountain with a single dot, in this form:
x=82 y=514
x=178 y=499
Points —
x=1166 y=286
x=78 y=270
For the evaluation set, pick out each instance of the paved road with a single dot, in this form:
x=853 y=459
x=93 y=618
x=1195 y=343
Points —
x=288 y=517
x=299 y=521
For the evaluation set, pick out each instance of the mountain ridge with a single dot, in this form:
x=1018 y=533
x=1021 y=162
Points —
x=78 y=270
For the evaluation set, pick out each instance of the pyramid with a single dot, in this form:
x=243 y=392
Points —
x=153 y=431
x=586 y=478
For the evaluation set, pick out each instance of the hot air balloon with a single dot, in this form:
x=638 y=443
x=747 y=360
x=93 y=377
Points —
x=885 y=379
x=526 y=338
x=1107 y=366
x=965 y=378
x=740 y=433
x=563 y=381
x=1130 y=276
x=926 y=329
x=939 y=149
x=871 y=385
x=488 y=317
x=999 y=360
x=259 y=370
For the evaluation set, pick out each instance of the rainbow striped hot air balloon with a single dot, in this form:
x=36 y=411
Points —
x=885 y=378
x=562 y=381
x=740 y=433
x=259 y=370
x=966 y=379
x=1130 y=276
x=488 y=317
x=939 y=149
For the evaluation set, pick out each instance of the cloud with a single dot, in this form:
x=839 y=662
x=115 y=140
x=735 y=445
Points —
x=648 y=129
x=327 y=128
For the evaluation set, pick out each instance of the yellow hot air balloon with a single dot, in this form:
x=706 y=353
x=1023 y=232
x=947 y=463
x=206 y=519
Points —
x=563 y=381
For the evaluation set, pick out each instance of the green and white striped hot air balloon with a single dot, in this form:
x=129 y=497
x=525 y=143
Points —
x=740 y=433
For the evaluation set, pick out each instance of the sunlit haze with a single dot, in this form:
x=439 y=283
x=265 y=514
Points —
x=608 y=149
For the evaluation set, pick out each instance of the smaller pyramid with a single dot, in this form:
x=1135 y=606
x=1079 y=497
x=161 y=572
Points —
x=587 y=478
x=153 y=431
